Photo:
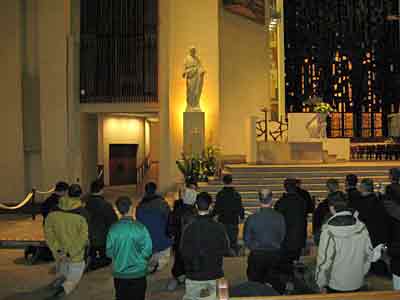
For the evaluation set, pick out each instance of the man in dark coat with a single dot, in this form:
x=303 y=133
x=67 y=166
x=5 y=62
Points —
x=322 y=213
x=229 y=210
x=204 y=244
x=392 y=204
x=293 y=209
x=51 y=202
x=102 y=216
x=153 y=212
x=310 y=202
x=182 y=215
x=353 y=194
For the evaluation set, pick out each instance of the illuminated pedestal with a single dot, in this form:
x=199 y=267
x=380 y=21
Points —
x=193 y=132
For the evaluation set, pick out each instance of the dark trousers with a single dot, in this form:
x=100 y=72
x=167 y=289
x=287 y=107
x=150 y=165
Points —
x=178 y=269
x=98 y=258
x=129 y=289
x=263 y=267
x=232 y=232
x=287 y=259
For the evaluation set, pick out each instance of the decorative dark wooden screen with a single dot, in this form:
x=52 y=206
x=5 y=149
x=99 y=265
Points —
x=119 y=51
x=348 y=53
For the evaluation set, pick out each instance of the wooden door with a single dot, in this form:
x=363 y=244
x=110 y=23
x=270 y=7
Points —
x=123 y=164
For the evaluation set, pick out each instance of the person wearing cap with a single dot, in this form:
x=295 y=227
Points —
x=67 y=235
x=264 y=232
x=203 y=246
x=183 y=214
x=52 y=201
x=129 y=246
x=392 y=205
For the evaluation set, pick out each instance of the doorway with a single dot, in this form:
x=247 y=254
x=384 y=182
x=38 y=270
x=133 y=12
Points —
x=123 y=164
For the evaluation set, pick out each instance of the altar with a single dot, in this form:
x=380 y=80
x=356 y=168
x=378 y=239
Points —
x=305 y=144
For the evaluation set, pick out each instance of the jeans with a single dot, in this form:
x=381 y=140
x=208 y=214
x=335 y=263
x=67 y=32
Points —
x=130 y=288
x=159 y=259
x=70 y=272
x=396 y=282
x=232 y=232
x=200 y=290
x=263 y=267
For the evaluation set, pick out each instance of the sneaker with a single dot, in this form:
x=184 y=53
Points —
x=57 y=295
x=172 y=285
x=181 y=279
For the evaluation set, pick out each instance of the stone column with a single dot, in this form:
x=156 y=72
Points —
x=12 y=148
x=58 y=102
x=251 y=139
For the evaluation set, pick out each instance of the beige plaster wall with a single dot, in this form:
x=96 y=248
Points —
x=147 y=138
x=155 y=141
x=52 y=21
x=193 y=23
x=243 y=81
x=88 y=136
x=11 y=153
x=122 y=130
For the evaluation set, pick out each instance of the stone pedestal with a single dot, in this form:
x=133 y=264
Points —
x=193 y=132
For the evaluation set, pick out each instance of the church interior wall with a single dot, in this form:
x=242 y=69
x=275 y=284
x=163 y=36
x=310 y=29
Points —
x=193 y=23
x=89 y=147
x=11 y=119
x=243 y=81
x=122 y=130
x=154 y=141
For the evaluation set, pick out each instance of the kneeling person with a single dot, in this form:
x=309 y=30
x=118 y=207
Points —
x=129 y=246
x=264 y=233
x=66 y=232
x=203 y=246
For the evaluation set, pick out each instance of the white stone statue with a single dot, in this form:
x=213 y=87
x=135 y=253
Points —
x=194 y=75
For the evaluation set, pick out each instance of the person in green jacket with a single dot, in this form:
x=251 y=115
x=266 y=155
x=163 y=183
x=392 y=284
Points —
x=66 y=233
x=130 y=248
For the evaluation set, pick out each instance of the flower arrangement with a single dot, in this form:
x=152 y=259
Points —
x=323 y=108
x=199 y=167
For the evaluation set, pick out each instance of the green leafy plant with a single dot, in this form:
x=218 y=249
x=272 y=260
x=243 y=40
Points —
x=323 y=108
x=199 y=167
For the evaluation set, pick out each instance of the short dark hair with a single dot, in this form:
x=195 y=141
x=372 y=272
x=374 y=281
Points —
x=368 y=184
x=290 y=185
x=338 y=201
x=227 y=179
x=75 y=190
x=96 y=187
x=150 y=188
x=332 y=184
x=61 y=186
x=351 y=180
x=203 y=201
x=190 y=182
x=123 y=204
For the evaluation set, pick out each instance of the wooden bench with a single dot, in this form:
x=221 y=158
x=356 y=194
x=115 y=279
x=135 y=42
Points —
x=223 y=294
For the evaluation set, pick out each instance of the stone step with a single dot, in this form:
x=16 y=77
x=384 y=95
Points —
x=317 y=167
x=279 y=180
x=254 y=194
x=274 y=187
x=308 y=174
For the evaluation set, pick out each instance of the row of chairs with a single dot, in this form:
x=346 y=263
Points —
x=375 y=152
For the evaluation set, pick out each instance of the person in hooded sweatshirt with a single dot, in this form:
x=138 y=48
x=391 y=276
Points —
x=67 y=235
x=182 y=215
x=153 y=212
x=345 y=251
x=392 y=205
